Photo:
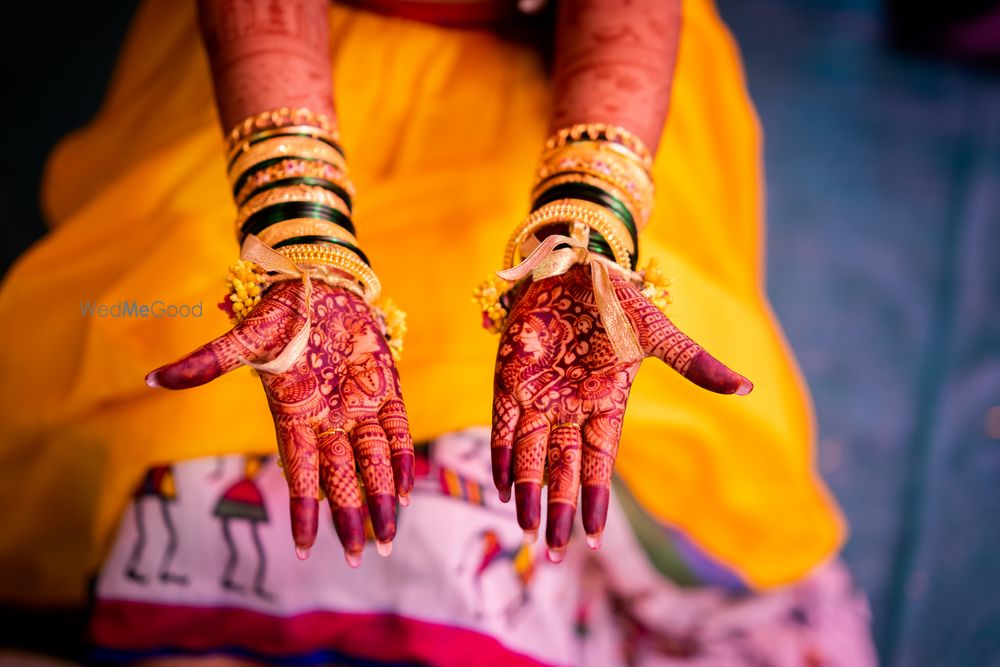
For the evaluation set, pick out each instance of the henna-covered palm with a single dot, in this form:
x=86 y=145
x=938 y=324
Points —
x=560 y=394
x=337 y=410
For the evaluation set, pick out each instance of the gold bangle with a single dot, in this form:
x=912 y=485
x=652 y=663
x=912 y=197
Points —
x=589 y=179
x=622 y=173
x=339 y=258
x=595 y=216
x=281 y=117
x=288 y=229
x=613 y=134
x=307 y=131
x=305 y=193
x=297 y=147
x=295 y=168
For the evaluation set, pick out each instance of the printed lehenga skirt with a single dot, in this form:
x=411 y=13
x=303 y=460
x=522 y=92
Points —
x=205 y=565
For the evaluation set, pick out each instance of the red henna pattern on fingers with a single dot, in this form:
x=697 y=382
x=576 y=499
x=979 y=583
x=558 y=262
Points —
x=505 y=414
x=529 y=467
x=375 y=462
x=564 y=484
x=556 y=361
x=340 y=484
x=396 y=425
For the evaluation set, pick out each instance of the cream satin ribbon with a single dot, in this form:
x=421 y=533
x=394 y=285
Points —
x=266 y=258
x=545 y=261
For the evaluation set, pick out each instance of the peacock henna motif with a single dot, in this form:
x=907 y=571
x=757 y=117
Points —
x=337 y=411
x=560 y=394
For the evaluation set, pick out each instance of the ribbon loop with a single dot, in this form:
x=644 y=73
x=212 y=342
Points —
x=254 y=250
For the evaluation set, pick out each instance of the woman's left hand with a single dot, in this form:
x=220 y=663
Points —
x=560 y=393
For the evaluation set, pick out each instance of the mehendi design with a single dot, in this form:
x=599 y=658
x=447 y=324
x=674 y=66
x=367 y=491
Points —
x=615 y=64
x=338 y=404
x=561 y=390
x=267 y=54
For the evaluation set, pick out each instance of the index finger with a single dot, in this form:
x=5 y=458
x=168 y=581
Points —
x=662 y=339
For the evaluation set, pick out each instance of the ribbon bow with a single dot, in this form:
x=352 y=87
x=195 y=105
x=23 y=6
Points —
x=545 y=261
x=255 y=251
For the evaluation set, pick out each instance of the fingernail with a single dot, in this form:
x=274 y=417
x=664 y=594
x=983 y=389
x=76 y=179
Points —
x=404 y=499
x=353 y=558
x=559 y=525
x=527 y=496
x=505 y=495
x=151 y=380
x=746 y=386
x=556 y=555
x=383 y=548
x=531 y=536
x=594 y=541
x=302 y=552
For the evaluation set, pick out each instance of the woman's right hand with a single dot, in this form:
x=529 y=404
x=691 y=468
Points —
x=336 y=410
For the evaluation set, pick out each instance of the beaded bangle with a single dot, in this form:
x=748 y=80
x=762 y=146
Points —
x=339 y=258
x=281 y=168
x=285 y=229
x=291 y=131
x=587 y=179
x=278 y=213
x=277 y=118
x=284 y=183
x=295 y=193
x=329 y=240
x=622 y=174
x=284 y=147
x=595 y=216
x=613 y=134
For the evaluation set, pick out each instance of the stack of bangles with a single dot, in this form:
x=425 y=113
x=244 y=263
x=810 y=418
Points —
x=593 y=185
x=294 y=196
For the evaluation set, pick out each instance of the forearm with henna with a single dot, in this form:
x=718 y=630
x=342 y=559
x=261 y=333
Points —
x=614 y=64
x=266 y=55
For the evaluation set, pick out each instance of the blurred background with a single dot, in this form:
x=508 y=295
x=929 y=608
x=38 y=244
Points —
x=882 y=128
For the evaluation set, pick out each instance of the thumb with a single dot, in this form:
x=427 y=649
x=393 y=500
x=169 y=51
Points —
x=258 y=338
x=675 y=348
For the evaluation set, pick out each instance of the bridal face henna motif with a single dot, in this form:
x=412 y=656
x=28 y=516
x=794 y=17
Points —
x=338 y=410
x=560 y=395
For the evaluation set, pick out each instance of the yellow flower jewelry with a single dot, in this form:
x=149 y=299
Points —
x=246 y=284
x=488 y=296
x=394 y=320
x=655 y=286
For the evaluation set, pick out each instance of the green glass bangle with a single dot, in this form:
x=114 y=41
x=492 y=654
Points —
x=593 y=194
x=300 y=240
x=302 y=180
x=271 y=215
x=264 y=164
